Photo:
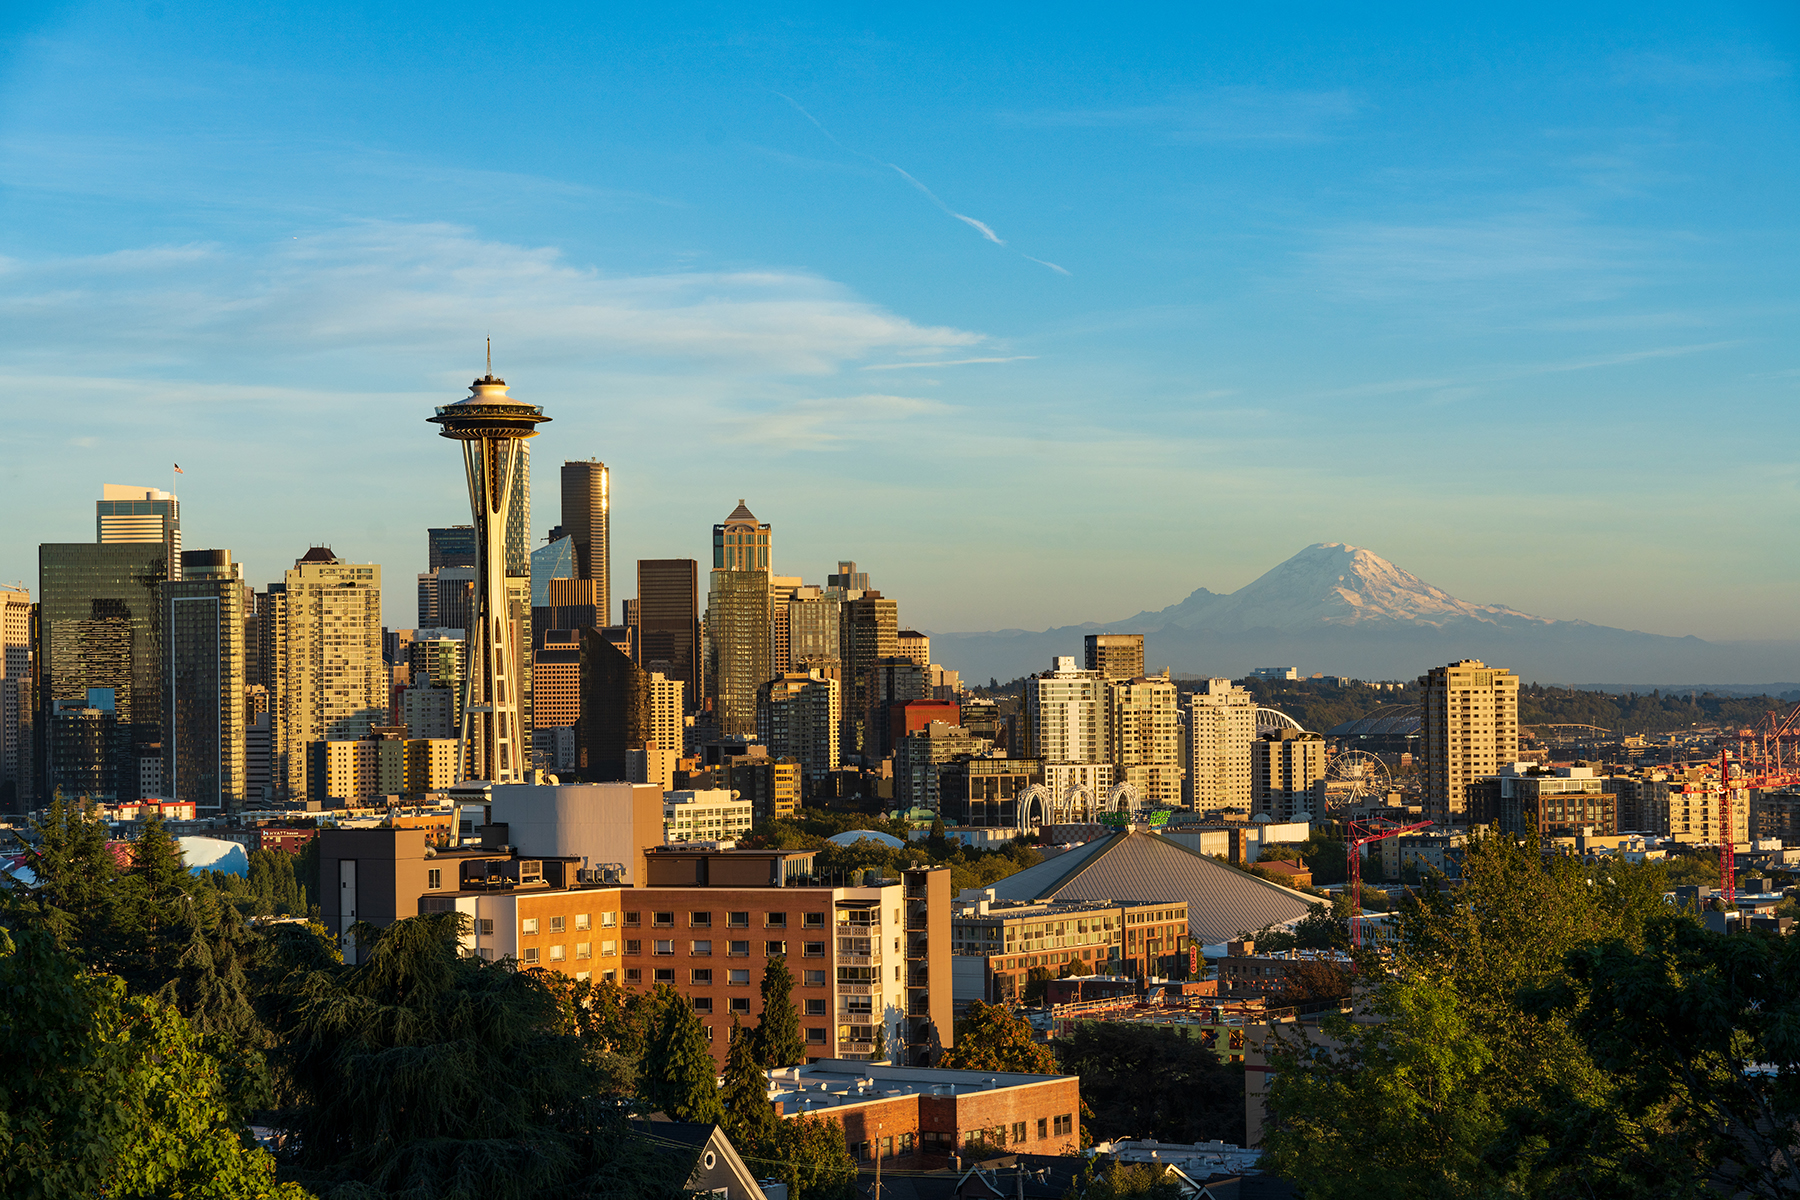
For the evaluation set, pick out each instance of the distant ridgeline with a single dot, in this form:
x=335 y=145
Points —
x=1319 y=704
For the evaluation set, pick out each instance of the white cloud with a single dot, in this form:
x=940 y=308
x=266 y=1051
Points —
x=827 y=423
x=435 y=290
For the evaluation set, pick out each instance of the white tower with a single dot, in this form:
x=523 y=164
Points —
x=492 y=427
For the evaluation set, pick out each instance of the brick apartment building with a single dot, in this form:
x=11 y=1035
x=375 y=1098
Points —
x=916 y=1119
x=1010 y=938
x=706 y=923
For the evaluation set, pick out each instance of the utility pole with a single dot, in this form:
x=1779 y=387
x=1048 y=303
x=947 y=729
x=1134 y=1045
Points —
x=877 y=1195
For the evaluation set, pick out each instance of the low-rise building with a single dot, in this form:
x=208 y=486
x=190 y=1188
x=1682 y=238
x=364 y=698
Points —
x=1010 y=938
x=1555 y=803
x=917 y=1118
x=711 y=815
x=1274 y=975
x=1430 y=849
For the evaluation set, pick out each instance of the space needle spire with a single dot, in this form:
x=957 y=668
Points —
x=492 y=427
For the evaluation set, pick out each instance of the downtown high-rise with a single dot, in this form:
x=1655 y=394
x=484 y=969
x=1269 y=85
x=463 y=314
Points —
x=328 y=681
x=738 y=627
x=587 y=522
x=204 y=709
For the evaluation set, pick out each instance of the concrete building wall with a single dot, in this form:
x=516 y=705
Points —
x=598 y=822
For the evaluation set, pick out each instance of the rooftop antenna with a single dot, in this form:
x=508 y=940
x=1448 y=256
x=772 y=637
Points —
x=490 y=352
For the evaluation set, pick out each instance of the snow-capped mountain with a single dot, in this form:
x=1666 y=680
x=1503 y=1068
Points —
x=1341 y=609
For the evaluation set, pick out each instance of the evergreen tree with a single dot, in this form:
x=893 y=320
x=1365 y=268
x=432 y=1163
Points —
x=680 y=1077
x=778 y=1041
x=425 y=1073
x=750 y=1120
x=76 y=901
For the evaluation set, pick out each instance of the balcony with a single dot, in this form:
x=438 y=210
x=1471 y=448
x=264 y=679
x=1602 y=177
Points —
x=859 y=960
x=920 y=1006
x=855 y=989
x=918 y=948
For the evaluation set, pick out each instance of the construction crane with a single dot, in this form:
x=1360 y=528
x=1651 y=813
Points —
x=1361 y=834
x=1767 y=759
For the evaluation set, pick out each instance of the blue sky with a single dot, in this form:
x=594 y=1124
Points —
x=1041 y=315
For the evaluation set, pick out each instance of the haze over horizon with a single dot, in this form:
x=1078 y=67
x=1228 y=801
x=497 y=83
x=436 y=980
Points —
x=1043 y=323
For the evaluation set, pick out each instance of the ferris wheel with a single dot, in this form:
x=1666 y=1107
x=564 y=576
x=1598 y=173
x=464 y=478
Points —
x=1355 y=779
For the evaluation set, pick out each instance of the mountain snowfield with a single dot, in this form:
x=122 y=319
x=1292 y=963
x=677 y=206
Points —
x=1338 y=609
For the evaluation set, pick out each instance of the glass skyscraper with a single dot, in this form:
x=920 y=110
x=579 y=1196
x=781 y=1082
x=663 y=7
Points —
x=101 y=626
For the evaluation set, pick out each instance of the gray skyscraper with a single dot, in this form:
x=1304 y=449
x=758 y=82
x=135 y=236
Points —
x=450 y=546
x=203 y=663
x=126 y=513
x=738 y=620
x=587 y=518
x=668 y=620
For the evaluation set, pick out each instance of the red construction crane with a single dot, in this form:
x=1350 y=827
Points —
x=1361 y=834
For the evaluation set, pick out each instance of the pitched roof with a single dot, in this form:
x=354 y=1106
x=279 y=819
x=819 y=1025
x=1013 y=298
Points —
x=1222 y=901
x=741 y=513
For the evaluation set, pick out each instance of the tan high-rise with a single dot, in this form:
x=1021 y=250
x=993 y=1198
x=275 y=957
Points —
x=1470 y=728
x=1144 y=736
x=1221 y=728
x=1115 y=655
x=329 y=683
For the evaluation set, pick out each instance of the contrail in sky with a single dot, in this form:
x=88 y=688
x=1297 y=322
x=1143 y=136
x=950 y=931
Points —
x=980 y=227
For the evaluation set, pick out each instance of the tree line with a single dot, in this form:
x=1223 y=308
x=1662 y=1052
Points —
x=149 y=1025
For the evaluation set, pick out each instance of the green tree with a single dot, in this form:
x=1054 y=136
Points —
x=608 y=1023
x=421 y=1072
x=778 y=1041
x=680 y=1077
x=989 y=1038
x=1699 y=1030
x=104 y=1093
x=1139 y=1181
x=76 y=900
x=749 y=1120
x=813 y=1159
x=1195 y=1097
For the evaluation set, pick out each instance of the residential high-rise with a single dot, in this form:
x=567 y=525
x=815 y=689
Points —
x=16 y=702
x=1285 y=764
x=799 y=716
x=1115 y=655
x=666 y=710
x=587 y=521
x=140 y=515
x=868 y=631
x=1220 y=730
x=782 y=589
x=1469 y=728
x=203 y=745
x=329 y=681
x=455 y=607
x=738 y=625
x=1065 y=715
x=910 y=643
x=100 y=626
x=450 y=546
x=668 y=621
x=918 y=757
x=1143 y=730
x=493 y=428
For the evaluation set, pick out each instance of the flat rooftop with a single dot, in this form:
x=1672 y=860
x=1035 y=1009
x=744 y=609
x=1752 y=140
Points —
x=838 y=1083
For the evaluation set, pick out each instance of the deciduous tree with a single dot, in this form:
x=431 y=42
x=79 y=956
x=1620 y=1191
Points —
x=989 y=1038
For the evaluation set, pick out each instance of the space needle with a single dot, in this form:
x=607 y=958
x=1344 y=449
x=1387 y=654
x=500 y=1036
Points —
x=491 y=425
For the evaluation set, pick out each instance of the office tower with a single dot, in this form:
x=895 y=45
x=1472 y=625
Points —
x=553 y=561
x=848 y=579
x=910 y=643
x=869 y=630
x=100 y=627
x=428 y=598
x=1284 y=765
x=668 y=621
x=140 y=516
x=782 y=588
x=259 y=748
x=1143 y=731
x=888 y=683
x=16 y=701
x=799 y=716
x=1065 y=715
x=455 y=604
x=555 y=685
x=615 y=710
x=1221 y=729
x=813 y=637
x=740 y=543
x=629 y=616
x=493 y=428
x=203 y=662
x=587 y=522
x=1470 y=728
x=450 y=546
x=738 y=621
x=330 y=683
x=1115 y=655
